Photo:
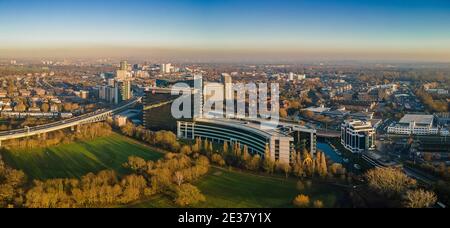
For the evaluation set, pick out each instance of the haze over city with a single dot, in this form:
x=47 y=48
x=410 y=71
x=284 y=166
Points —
x=232 y=29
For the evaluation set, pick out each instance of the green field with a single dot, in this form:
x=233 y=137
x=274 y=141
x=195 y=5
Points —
x=78 y=159
x=222 y=188
x=230 y=189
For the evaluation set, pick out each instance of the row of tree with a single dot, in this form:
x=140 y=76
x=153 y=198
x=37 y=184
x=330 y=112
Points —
x=303 y=165
x=164 y=139
x=82 y=132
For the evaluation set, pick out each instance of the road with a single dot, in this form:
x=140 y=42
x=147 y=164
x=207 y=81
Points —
x=96 y=116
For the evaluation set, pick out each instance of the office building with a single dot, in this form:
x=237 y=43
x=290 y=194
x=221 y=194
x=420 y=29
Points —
x=122 y=75
x=166 y=68
x=125 y=90
x=244 y=133
x=358 y=136
x=107 y=93
x=291 y=76
x=415 y=125
x=123 y=66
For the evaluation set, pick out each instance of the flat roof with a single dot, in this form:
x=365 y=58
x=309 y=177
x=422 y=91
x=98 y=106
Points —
x=317 y=109
x=257 y=128
x=418 y=119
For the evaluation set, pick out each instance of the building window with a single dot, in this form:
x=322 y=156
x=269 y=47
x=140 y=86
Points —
x=277 y=150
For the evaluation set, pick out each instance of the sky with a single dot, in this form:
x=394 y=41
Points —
x=378 y=29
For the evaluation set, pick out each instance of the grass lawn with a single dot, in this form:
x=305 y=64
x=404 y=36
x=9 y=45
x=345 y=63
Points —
x=230 y=189
x=79 y=158
x=222 y=188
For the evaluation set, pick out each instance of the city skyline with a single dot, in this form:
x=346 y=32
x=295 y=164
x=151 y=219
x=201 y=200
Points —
x=228 y=29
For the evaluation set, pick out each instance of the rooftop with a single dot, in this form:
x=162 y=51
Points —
x=418 y=119
x=317 y=109
x=252 y=126
x=357 y=124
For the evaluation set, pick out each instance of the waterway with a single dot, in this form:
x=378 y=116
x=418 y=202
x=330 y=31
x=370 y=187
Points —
x=329 y=152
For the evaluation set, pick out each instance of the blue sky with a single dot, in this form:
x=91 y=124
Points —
x=400 y=26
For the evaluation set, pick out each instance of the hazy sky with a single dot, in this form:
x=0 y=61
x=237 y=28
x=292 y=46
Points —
x=404 y=29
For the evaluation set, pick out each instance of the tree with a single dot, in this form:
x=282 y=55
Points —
x=188 y=195
x=337 y=169
x=196 y=148
x=318 y=204
x=217 y=159
x=285 y=168
x=67 y=107
x=11 y=183
x=297 y=166
x=246 y=158
x=389 y=181
x=11 y=87
x=20 y=107
x=302 y=201
x=205 y=146
x=268 y=163
x=308 y=163
x=210 y=148
x=179 y=178
x=45 y=107
x=323 y=170
x=133 y=188
x=255 y=162
x=168 y=140
x=283 y=113
x=187 y=150
x=128 y=129
x=136 y=164
x=225 y=148
x=420 y=199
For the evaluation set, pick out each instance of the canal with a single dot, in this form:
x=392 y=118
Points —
x=329 y=152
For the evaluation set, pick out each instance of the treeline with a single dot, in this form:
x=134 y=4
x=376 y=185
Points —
x=82 y=132
x=165 y=139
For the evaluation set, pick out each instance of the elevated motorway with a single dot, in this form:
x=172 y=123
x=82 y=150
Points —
x=328 y=134
x=98 y=116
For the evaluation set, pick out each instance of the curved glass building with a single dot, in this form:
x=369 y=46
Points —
x=281 y=140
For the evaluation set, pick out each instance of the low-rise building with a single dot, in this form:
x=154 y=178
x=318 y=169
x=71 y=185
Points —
x=415 y=125
x=24 y=93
